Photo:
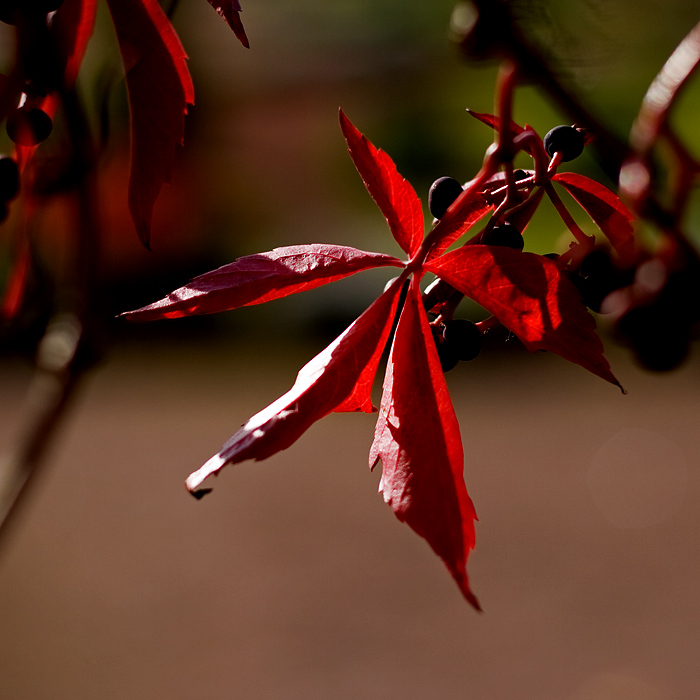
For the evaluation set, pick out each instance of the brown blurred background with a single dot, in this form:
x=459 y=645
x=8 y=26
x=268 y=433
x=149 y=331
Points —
x=293 y=579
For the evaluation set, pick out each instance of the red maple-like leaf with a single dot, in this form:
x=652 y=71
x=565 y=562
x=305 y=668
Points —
x=255 y=279
x=418 y=442
x=393 y=194
x=605 y=208
x=160 y=89
x=531 y=297
x=334 y=380
x=417 y=435
x=230 y=10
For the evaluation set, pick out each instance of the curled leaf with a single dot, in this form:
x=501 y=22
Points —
x=418 y=442
x=160 y=89
x=531 y=297
x=72 y=26
x=323 y=385
x=255 y=279
x=393 y=194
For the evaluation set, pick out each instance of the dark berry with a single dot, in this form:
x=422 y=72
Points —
x=565 y=140
x=29 y=126
x=520 y=175
x=12 y=10
x=660 y=343
x=48 y=5
x=442 y=193
x=9 y=11
x=598 y=276
x=505 y=235
x=464 y=336
x=447 y=352
x=9 y=178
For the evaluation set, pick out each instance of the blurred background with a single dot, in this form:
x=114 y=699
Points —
x=293 y=579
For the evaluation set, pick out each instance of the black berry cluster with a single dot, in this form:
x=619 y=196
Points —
x=598 y=276
x=456 y=340
x=565 y=140
x=14 y=11
x=29 y=126
x=9 y=183
x=659 y=330
x=442 y=193
x=504 y=234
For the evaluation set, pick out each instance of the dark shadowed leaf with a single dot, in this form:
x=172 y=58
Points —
x=520 y=218
x=605 y=208
x=160 y=89
x=393 y=194
x=418 y=442
x=255 y=279
x=323 y=385
x=529 y=295
x=230 y=11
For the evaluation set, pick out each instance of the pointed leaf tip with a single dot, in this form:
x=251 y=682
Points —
x=393 y=194
x=230 y=11
x=418 y=442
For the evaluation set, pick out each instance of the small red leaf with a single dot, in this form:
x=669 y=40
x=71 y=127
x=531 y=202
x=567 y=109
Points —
x=417 y=439
x=495 y=122
x=255 y=279
x=230 y=11
x=530 y=296
x=605 y=208
x=160 y=89
x=454 y=227
x=323 y=385
x=72 y=25
x=393 y=194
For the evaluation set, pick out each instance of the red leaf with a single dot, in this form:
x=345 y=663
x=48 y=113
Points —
x=495 y=122
x=263 y=277
x=417 y=439
x=605 y=208
x=323 y=385
x=393 y=194
x=530 y=296
x=160 y=88
x=454 y=227
x=13 y=295
x=229 y=10
x=72 y=25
